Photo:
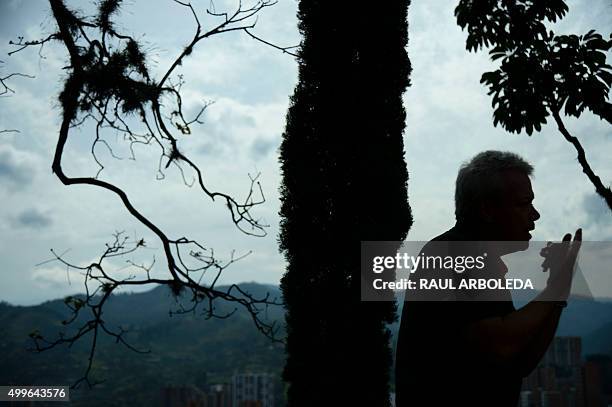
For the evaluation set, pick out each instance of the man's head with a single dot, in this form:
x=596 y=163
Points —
x=493 y=193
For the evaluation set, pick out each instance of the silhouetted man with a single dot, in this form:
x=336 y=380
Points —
x=462 y=352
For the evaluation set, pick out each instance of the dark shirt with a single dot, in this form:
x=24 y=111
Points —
x=435 y=366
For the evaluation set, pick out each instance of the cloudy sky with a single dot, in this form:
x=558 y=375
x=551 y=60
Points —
x=448 y=121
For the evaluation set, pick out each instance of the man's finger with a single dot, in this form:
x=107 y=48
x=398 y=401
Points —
x=564 y=245
x=576 y=243
x=578 y=235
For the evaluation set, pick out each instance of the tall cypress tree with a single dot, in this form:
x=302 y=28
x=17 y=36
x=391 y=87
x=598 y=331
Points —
x=344 y=181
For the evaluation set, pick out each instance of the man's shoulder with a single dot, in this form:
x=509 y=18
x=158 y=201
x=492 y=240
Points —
x=438 y=244
x=454 y=234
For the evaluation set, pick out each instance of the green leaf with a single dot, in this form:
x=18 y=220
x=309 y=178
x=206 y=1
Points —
x=606 y=77
x=589 y=34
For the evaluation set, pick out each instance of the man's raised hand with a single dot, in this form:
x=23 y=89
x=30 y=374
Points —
x=560 y=260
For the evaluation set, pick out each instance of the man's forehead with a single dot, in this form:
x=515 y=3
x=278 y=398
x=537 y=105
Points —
x=517 y=183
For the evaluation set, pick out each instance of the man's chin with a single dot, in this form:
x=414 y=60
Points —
x=516 y=245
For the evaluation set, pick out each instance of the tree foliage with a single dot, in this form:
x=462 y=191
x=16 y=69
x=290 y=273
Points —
x=540 y=73
x=344 y=181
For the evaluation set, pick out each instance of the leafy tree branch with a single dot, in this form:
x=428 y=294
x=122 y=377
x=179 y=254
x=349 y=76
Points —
x=540 y=73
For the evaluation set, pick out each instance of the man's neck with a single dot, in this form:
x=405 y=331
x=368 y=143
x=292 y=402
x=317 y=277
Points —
x=480 y=232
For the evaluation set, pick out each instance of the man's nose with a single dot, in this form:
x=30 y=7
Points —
x=535 y=215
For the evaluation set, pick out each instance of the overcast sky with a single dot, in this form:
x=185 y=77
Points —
x=448 y=121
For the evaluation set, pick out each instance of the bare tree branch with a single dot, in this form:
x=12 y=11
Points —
x=601 y=189
x=285 y=50
x=21 y=44
x=109 y=85
x=6 y=91
x=3 y=82
x=100 y=284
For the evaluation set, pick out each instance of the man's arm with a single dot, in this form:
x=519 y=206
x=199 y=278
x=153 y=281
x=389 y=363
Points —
x=520 y=339
x=537 y=347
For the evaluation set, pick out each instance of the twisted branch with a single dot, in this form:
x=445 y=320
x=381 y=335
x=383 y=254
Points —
x=600 y=188
x=109 y=84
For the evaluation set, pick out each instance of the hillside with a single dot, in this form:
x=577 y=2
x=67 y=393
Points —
x=186 y=349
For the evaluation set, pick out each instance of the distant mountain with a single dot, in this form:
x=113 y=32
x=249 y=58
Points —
x=185 y=349
x=586 y=318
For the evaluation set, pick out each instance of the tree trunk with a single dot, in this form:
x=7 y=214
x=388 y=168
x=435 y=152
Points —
x=344 y=181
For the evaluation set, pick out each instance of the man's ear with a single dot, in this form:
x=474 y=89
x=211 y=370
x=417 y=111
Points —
x=486 y=211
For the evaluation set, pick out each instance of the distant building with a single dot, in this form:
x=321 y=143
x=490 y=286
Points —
x=527 y=399
x=563 y=379
x=551 y=398
x=253 y=390
x=183 y=396
x=219 y=395
x=564 y=352
x=598 y=380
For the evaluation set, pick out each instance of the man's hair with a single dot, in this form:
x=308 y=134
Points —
x=480 y=180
